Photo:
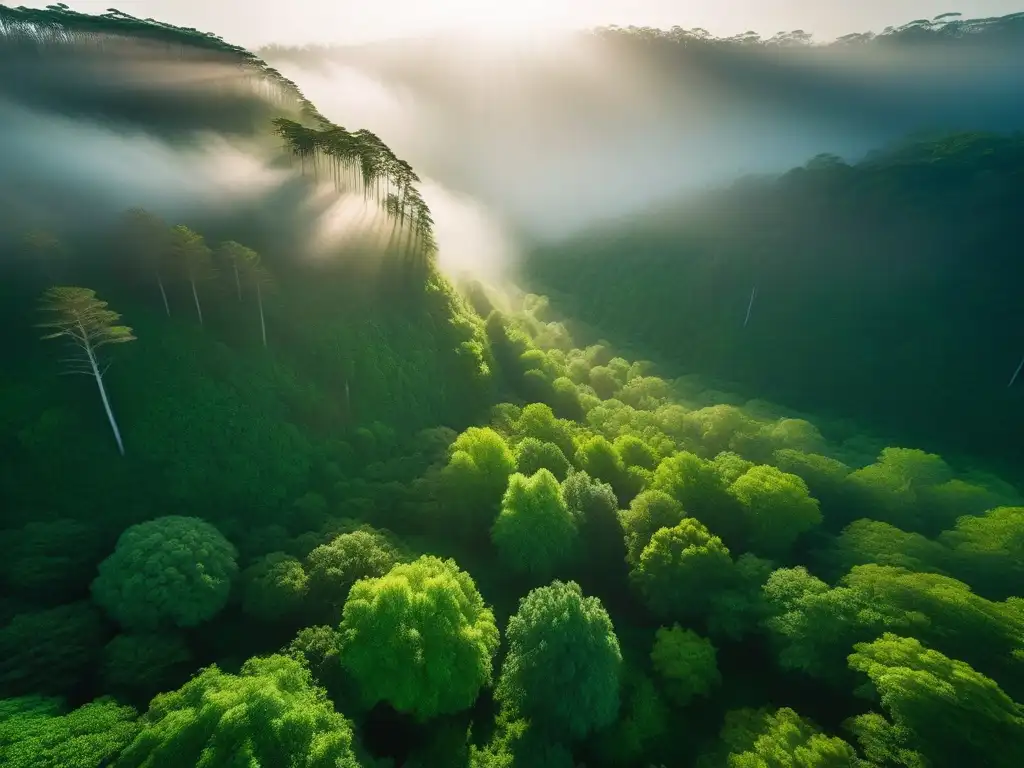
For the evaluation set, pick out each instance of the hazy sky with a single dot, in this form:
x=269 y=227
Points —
x=256 y=22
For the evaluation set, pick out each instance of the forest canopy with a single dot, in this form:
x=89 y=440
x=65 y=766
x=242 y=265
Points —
x=351 y=514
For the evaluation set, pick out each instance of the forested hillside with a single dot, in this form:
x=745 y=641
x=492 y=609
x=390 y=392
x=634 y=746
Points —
x=885 y=289
x=227 y=398
x=299 y=503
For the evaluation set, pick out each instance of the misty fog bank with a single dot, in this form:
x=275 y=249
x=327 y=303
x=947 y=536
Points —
x=555 y=136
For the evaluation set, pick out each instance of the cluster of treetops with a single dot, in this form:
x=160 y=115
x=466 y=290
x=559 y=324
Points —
x=612 y=568
x=882 y=289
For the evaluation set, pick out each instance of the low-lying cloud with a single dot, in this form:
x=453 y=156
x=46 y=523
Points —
x=555 y=137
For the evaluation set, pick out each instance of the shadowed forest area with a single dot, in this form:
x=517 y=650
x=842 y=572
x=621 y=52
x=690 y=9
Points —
x=724 y=472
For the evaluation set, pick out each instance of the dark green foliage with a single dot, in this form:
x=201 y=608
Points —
x=333 y=568
x=561 y=641
x=269 y=714
x=50 y=651
x=36 y=733
x=274 y=587
x=677 y=282
x=420 y=637
x=642 y=728
x=51 y=561
x=596 y=509
x=139 y=666
x=173 y=571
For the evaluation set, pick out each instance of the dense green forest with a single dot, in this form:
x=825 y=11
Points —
x=340 y=513
x=884 y=289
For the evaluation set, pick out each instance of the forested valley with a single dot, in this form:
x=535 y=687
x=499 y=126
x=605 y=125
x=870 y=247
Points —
x=731 y=481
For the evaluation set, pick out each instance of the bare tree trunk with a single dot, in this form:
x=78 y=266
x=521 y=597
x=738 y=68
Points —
x=103 y=396
x=1016 y=373
x=238 y=281
x=163 y=294
x=263 y=322
x=750 y=306
x=195 y=295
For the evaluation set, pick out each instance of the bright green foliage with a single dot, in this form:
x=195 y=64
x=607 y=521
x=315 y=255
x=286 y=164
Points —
x=870 y=541
x=816 y=626
x=777 y=508
x=35 y=733
x=533 y=455
x=516 y=742
x=784 y=434
x=46 y=560
x=681 y=570
x=824 y=476
x=645 y=392
x=648 y=513
x=274 y=587
x=718 y=427
x=538 y=420
x=949 y=617
x=268 y=714
x=598 y=458
x=139 y=666
x=988 y=551
x=635 y=452
x=475 y=478
x=697 y=485
x=419 y=637
x=334 y=567
x=731 y=466
x=172 y=571
x=687 y=663
x=778 y=739
x=535 y=533
x=561 y=641
x=49 y=651
x=940 y=709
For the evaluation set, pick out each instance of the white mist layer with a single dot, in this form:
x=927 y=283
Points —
x=47 y=156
